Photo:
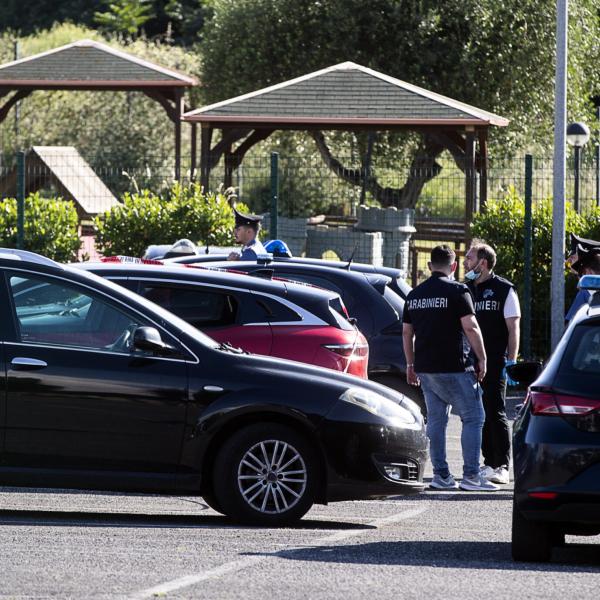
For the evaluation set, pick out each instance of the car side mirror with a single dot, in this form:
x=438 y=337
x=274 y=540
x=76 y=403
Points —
x=525 y=372
x=148 y=338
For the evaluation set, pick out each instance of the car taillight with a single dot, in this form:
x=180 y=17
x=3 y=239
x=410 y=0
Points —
x=349 y=350
x=547 y=403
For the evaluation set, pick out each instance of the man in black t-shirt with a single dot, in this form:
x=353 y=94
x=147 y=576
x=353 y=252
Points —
x=498 y=314
x=438 y=314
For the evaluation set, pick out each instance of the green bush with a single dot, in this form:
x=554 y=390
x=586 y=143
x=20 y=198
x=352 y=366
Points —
x=145 y=218
x=50 y=227
x=503 y=226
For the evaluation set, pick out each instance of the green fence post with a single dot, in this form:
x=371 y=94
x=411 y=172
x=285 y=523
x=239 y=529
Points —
x=21 y=200
x=274 y=194
x=526 y=333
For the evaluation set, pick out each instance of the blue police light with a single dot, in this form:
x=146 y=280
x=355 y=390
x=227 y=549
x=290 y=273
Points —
x=278 y=248
x=589 y=282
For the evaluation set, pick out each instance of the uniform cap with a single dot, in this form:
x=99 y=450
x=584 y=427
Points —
x=245 y=219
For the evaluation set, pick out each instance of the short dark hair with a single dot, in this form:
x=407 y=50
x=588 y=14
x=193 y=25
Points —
x=487 y=252
x=592 y=262
x=442 y=256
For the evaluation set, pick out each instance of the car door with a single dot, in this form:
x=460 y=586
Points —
x=78 y=398
x=226 y=315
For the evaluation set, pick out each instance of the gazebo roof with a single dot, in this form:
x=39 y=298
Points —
x=87 y=64
x=344 y=95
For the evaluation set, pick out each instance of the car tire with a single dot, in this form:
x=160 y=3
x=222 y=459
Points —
x=397 y=382
x=211 y=501
x=248 y=488
x=531 y=540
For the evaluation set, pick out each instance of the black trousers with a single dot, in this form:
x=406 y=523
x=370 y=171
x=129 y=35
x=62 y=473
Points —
x=495 y=437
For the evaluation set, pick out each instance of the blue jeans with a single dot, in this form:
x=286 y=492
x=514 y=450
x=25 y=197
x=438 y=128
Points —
x=462 y=392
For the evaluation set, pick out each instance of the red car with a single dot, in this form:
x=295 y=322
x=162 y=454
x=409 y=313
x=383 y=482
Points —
x=273 y=317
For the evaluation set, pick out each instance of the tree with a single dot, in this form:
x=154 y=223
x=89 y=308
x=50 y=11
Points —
x=494 y=55
x=124 y=16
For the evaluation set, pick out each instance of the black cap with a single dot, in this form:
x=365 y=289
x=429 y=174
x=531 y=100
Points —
x=580 y=242
x=248 y=220
x=585 y=256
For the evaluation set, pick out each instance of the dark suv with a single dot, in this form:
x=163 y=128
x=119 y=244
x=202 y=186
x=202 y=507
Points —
x=557 y=440
x=103 y=389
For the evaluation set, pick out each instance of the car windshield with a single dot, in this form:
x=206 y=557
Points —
x=579 y=370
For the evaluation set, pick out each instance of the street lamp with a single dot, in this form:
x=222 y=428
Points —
x=578 y=135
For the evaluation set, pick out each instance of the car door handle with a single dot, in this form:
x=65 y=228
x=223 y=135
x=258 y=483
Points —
x=215 y=389
x=20 y=362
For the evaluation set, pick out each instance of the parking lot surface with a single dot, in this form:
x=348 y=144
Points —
x=437 y=545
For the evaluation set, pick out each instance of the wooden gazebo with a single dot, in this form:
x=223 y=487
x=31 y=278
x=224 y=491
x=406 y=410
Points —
x=93 y=66
x=347 y=97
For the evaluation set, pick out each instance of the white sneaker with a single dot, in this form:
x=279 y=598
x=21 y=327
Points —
x=477 y=484
x=487 y=472
x=500 y=475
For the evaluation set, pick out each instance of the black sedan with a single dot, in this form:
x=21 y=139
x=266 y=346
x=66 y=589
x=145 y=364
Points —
x=557 y=441
x=105 y=390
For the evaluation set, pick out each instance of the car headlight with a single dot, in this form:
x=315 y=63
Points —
x=379 y=405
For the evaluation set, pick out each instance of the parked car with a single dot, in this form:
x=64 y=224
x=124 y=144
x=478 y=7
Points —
x=103 y=389
x=276 y=318
x=369 y=299
x=557 y=440
x=397 y=281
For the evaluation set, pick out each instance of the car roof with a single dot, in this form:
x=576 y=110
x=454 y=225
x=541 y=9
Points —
x=208 y=275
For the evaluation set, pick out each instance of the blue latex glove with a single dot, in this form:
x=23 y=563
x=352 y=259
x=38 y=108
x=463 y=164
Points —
x=509 y=381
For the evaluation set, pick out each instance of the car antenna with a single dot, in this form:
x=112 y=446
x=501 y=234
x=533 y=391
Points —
x=347 y=267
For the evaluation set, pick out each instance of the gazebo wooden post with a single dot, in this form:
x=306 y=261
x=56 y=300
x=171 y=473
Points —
x=206 y=132
x=470 y=192
x=483 y=168
x=193 y=150
x=179 y=110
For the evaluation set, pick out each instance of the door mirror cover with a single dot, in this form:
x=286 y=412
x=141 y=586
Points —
x=525 y=372
x=148 y=338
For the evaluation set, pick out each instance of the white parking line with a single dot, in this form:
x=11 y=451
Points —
x=244 y=563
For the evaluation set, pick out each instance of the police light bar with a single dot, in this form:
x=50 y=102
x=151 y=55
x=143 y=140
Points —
x=589 y=282
x=264 y=259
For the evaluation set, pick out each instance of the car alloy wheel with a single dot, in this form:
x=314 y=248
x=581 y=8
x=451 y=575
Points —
x=266 y=474
x=272 y=476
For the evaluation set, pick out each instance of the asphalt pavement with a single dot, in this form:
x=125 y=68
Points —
x=60 y=544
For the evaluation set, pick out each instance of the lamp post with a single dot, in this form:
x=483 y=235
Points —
x=578 y=135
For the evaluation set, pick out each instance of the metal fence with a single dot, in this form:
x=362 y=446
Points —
x=306 y=188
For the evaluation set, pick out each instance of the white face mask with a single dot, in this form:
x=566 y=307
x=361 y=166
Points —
x=472 y=275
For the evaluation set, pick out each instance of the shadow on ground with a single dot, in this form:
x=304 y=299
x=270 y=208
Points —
x=447 y=554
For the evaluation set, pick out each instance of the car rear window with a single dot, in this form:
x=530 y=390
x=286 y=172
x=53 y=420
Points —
x=579 y=370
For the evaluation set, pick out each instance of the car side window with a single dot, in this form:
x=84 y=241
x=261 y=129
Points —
x=51 y=311
x=199 y=307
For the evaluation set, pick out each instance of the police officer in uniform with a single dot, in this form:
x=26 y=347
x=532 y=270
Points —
x=583 y=260
x=246 y=232
x=438 y=315
x=498 y=314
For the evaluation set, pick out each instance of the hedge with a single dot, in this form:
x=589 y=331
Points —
x=50 y=227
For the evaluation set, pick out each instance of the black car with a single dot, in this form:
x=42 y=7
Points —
x=556 y=441
x=103 y=389
x=396 y=283
x=369 y=299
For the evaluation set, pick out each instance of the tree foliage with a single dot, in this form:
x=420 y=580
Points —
x=498 y=56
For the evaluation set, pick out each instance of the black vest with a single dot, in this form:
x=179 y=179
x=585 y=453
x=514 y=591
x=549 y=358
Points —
x=434 y=309
x=489 y=298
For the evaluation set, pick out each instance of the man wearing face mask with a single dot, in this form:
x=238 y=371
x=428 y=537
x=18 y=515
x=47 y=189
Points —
x=498 y=314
